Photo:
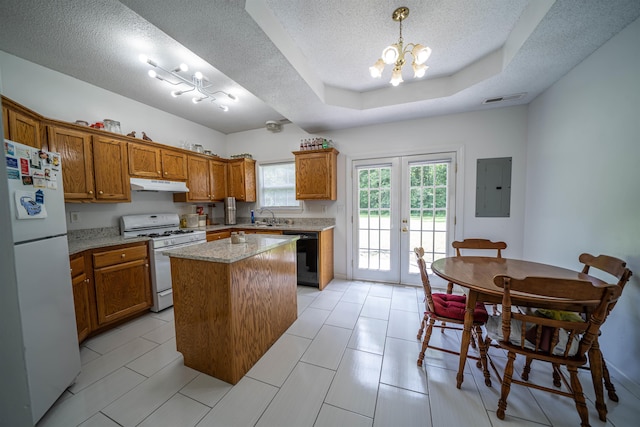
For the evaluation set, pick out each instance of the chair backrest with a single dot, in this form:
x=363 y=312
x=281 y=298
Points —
x=426 y=285
x=479 y=244
x=550 y=342
x=613 y=266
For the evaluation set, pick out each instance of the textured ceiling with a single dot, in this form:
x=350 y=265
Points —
x=308 y=61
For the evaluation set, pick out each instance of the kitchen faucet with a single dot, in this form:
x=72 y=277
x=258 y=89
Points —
x=273 y=216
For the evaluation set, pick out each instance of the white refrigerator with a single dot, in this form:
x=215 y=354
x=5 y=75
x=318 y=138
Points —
x=45 y=294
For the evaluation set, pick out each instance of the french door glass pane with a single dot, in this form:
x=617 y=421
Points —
x=428 y=211
x=374 y=218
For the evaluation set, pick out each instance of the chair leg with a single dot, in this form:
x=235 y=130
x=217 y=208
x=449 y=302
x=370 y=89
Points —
x=556 y=375
x=607 y=382
x=526 y=369
x=595 y=366
x=483 y=357
x=506 y=386
x=578 y=396
x=425 y=342
x=422 y=324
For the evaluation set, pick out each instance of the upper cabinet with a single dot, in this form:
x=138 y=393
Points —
x=242 y=180
x=94 y=168
x=207 y=180
x=21 y=125
x=218 y=176
x=146 y=161
x=76 y=154
x=316 y=174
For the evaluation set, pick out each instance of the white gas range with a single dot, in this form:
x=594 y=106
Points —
x=165 y=233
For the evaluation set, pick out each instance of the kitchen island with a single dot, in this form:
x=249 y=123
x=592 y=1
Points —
x=232 y=301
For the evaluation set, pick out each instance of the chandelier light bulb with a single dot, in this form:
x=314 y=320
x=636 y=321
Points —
x=390 y=54
x=376 y=69
x=396 y=76
x=184 y=67
x=198 y=75
x=419 y=70
x=421 y=53
x=152 y=74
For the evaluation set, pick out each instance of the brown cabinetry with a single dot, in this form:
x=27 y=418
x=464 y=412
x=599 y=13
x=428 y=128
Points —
x=82 y=296
x=316 y=174
x=207 y=180
x=21 y=125
x=242 y=180
x=217 y=235
x=111 y=166
x=94 y=168
x=77 y=162
x=122 y=282
x=325 y=257
x=146 y=161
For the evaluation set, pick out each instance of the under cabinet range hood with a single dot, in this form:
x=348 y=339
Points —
x=140 y=184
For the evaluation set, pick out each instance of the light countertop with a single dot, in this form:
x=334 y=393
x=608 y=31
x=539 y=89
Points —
x=223 y=251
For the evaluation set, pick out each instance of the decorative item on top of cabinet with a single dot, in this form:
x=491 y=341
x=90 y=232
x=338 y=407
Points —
x=242 y=179
x=147 y=161
x=316 y=174
x=21 y=124
x=122 y=282
x=82 y=297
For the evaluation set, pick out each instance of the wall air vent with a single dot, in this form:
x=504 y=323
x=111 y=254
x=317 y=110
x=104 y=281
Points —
x=504 y=98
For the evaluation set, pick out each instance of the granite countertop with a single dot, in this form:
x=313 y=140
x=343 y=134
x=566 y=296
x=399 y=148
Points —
x=223 y=251
x=300 y=226
x=94 y=238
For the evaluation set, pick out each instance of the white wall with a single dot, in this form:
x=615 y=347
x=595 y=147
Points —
x=492 y=133
x=583 y=175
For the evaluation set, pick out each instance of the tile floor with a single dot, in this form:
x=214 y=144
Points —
x=349 y=360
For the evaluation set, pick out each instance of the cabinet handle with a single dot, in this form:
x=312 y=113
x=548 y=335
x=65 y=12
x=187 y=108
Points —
x=86 y=280
x=158 y=172
x=166 y=173
x=122 y=256
x=90 y=191
x=100 y=192
x=146 y=265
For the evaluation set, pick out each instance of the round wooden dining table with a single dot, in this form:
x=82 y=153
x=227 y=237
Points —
x=476 y=274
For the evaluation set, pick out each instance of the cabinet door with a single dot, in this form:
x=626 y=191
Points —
x=82 y=303
x=111 y=165
x=198 y=181
x=122 y=290
x=316 y=176
x=24 y=129
x=77 y=162
x=144 y=161
x=5 y=122
x=174 y=165
x=218 y=173
x=242 y=180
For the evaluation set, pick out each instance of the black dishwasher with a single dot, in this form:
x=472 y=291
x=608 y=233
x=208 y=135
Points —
x=307 y=257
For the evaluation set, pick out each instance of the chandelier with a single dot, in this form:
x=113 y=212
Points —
x=198 y=84
x=395 y=53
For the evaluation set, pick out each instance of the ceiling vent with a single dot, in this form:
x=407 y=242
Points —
x=504 y=98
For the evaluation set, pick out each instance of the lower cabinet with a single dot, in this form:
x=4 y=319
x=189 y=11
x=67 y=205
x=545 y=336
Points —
x=81 y=296
x=122 y=282
x=217 y=235
x=121 y=286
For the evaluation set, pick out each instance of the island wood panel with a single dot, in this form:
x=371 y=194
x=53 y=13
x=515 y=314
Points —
x=228 y=315
x=325 y=261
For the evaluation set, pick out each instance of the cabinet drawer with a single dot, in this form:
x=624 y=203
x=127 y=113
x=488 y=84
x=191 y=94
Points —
x=117 y=256
x=217 y=235
x=77 y=266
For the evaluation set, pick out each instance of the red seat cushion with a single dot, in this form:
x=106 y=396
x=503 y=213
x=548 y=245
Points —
x=453 y=306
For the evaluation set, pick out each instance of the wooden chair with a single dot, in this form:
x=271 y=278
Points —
x=447 y=308
x=559 y=342
x=618 y=269
x=477 y=244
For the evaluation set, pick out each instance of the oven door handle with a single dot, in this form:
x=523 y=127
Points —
x=165 y=293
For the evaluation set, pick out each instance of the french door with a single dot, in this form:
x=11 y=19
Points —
x=400 y=203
